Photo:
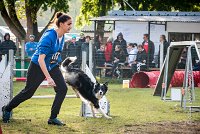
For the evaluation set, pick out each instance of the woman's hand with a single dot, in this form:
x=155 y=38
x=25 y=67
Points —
x=51 y=81
x=44 y=70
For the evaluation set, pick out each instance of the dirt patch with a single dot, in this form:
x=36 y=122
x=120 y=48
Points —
x=164 y=128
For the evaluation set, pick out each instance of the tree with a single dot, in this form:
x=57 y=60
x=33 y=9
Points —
x=93 y=8
x=10 y=12
x=167 y=5
x=96 y=8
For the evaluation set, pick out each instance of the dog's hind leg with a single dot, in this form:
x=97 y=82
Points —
x=83 y=99
x=76 y=92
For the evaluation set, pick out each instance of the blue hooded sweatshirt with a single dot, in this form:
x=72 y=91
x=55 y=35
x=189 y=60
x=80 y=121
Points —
x=30 y=48
x=49 y=45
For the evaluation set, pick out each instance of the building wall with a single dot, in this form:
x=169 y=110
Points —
x=183 y=27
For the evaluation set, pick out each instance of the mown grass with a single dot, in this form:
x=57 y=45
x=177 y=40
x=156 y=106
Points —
x=128 y=107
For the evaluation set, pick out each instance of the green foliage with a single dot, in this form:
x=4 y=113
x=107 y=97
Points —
x=20 y=8
x=94 y=8
x=157 y=5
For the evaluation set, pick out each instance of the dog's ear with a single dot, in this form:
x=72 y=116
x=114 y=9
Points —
x=106 y=83
x=66 y=62
x=97 y=84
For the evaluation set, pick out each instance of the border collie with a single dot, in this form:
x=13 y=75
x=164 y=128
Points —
x=88 y=91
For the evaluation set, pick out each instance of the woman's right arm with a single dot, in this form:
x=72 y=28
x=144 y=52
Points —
x=44 y=70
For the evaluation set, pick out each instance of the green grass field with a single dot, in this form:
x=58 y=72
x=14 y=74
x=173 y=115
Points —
x=130 y=108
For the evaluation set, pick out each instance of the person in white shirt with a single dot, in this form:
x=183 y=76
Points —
x=132 y=53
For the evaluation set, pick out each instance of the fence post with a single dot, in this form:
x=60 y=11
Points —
x=22 y=56
x=161 y=55
x=84 y=58
x=91 y=63
x=11 y=61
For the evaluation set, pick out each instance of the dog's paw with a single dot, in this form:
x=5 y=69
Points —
x=108 y=117
x=96 y=116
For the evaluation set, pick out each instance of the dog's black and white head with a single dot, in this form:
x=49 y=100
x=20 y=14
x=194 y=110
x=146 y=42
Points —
x=100 y=90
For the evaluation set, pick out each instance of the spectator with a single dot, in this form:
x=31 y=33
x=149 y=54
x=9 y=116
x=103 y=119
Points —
x=64 y=53
x=98 y=42
x=85 y=47
x=182 y=62
x=149 y=48
x=100 y=56
x=165 y=44
x=118 y=57
x=140 y=62
x=132 y=53
x=30 y=46
x=6 y=45
x=108 y=50
x=82 y=37
x=120 y=41
x=74 y=49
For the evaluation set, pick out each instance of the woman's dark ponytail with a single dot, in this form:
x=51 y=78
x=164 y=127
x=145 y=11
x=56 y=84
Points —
x=59 y=18
x=58 y=14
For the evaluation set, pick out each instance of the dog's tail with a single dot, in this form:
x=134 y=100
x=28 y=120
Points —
x=67 y=62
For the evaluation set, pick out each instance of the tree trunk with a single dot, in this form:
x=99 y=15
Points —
x=122 y=5
x=31 y=15
x=102 y=12
x=11 y=25
x=100 y=28
x=13 y=16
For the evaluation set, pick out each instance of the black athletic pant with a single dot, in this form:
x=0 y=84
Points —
x=35 y=77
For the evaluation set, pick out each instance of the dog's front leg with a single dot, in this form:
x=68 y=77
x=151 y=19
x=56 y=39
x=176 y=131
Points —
x=92 y=109
x=104 y=114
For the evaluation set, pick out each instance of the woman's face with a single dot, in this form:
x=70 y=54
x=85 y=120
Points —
x=66 y=26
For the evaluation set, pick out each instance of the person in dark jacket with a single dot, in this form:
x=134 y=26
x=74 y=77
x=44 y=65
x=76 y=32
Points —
x=165 y=44
x=6 y=45
x=64 y=53
x=149 y=48
x=100 y=57
x=182 y=62
x=118 y=57
x=74 y=49
x=120 y=41
x=82 y=37
x=141 y=59
x=98 y=42
x=85 y=47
